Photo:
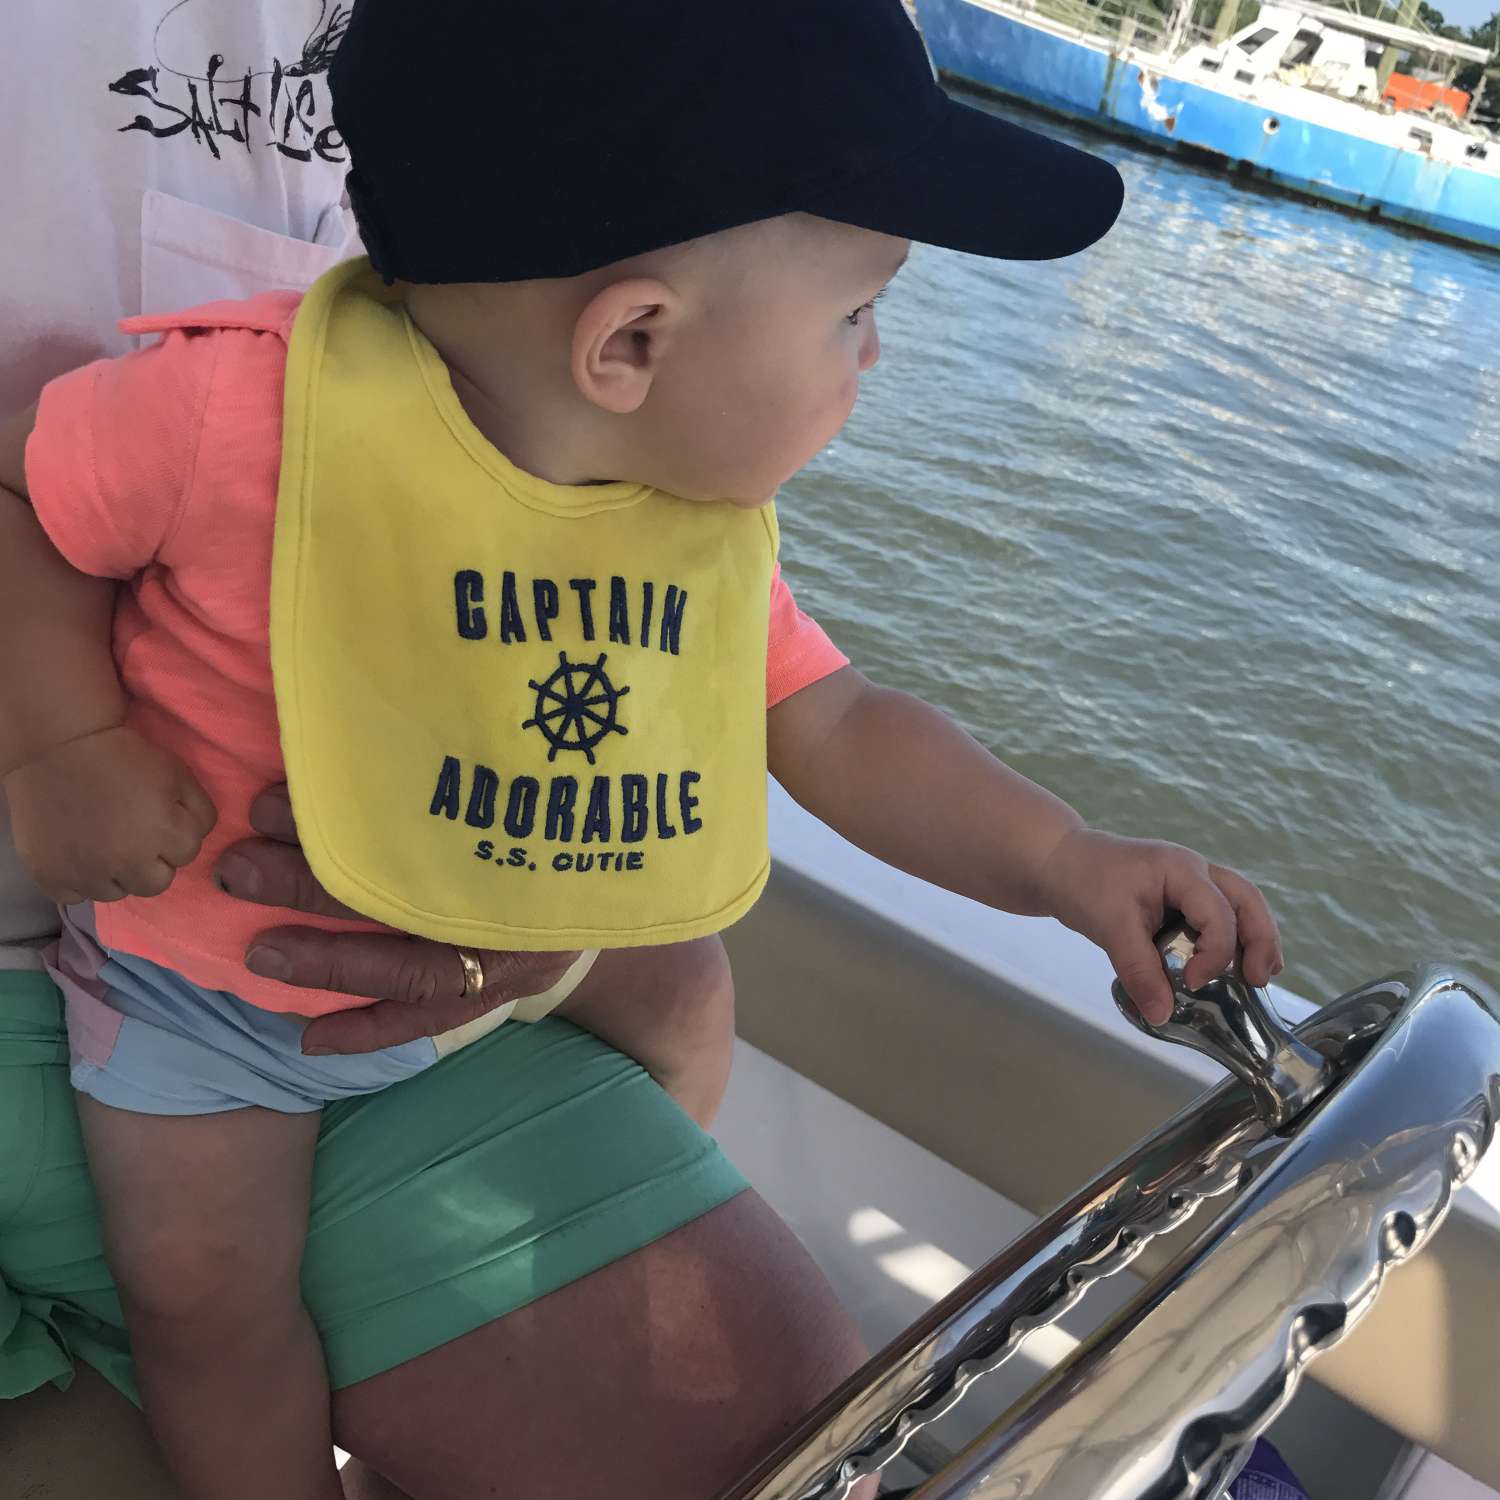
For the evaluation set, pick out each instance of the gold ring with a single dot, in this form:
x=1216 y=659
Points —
x=473 y=972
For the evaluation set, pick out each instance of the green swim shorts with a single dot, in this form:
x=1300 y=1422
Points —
x=515 y=1166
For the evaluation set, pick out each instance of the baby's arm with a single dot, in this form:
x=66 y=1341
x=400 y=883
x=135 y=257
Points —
x=905 y=783
x=97 y=812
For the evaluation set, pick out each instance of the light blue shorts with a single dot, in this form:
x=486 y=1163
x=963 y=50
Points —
x=143 y=1038
x=182 y=1050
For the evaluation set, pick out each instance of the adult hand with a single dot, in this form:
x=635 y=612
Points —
x=419 y=987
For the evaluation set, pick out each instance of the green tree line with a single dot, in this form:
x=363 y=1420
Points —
x=1486 y=35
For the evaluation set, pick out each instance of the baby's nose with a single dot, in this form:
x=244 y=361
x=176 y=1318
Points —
x=869 y=350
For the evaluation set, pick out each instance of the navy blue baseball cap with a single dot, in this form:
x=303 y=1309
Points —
x=506 y=140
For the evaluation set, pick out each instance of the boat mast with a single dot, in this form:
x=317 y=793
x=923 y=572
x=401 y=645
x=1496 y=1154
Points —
x=1182 y=11
x=1488 y=71
x=1407 y=17
x=1224 y=27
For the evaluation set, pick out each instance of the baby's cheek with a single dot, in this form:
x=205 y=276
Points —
x=837 y=410
x=819 y=424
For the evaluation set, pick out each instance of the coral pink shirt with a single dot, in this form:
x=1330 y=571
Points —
x=160 y=469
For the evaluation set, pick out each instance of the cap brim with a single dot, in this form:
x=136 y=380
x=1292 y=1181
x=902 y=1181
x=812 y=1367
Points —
x=986 y=186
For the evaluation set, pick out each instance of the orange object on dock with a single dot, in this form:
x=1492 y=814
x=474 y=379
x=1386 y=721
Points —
x=1406 y=92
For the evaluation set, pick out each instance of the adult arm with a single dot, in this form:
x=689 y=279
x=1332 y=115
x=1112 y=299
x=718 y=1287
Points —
x=97 y=812
x=57 y=673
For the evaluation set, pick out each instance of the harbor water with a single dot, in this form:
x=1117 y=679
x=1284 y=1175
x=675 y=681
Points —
x=1201 y=529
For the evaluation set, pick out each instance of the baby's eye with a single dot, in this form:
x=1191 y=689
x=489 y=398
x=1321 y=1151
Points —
x=865 y=307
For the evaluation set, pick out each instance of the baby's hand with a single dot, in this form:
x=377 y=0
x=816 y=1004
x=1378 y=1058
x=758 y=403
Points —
x=1118 y=892
x=106 y=816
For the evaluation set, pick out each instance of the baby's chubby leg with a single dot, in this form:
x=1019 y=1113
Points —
x=672 y=1009
x=204 y=1221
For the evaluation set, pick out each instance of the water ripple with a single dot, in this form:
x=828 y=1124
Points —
x=1200 y=529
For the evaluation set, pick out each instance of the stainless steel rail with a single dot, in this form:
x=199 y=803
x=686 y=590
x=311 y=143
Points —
x=1332 y=1155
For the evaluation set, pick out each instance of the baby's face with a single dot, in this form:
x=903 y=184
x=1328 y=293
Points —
x=767 y=371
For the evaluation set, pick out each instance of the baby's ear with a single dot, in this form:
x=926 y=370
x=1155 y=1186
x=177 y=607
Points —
x=619 y=341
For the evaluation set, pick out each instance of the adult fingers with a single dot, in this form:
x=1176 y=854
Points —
x=523 y=974
x=273 y=874
x=381 y=1025
x=425 y=980
x=393 y=1022
x=1259 y=938
x=373 y=965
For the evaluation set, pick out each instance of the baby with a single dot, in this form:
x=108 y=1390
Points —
x=475 y=544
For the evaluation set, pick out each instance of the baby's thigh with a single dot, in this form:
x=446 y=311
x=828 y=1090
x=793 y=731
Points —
x=203 y=1215
x=671 y=1008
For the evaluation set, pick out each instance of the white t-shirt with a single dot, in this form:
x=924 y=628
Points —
x=155 y=154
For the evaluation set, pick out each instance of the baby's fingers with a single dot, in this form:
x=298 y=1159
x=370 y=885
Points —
x=196 y=804
x=85 y=885
x=1133 y=953
x=1207 y=910
x=180 y=841
x=1259 y=940
x=148 y=877
x=78 y=885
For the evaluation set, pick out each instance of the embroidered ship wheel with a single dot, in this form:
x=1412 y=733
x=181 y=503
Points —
x=576 y=707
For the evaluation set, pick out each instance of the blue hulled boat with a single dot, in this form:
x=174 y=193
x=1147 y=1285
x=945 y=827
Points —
x=1292 y=98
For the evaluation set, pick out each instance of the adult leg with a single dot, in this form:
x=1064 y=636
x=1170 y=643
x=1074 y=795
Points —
x=671 y=1008
x=361 y=1482
x=89 y=1443
x=85 y=1443
x=205 y=1217
x=664 y=1376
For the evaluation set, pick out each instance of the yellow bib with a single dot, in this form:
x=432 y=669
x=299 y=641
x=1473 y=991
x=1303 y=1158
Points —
x=514 y=714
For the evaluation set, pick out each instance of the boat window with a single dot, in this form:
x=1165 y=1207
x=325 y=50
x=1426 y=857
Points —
x=1212 y=64
x=1422 y=140
x=1304 y=45
x=1241 y=76
x=1256 y=40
